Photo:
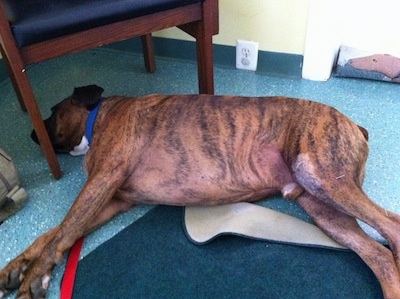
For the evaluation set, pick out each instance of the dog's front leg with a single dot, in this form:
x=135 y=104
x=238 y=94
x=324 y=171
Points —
x=31 y=271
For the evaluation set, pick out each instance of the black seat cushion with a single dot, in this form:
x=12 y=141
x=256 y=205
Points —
x=37 y=20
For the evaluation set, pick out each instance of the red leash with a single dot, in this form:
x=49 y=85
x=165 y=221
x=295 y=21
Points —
x=67 y=285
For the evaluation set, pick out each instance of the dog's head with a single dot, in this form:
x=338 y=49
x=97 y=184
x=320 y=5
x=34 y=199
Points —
x=66 y=124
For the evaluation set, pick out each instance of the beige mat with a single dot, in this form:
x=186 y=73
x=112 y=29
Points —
x=204 y=223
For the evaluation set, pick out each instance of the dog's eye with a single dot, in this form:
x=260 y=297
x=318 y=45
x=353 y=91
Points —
x=60 y=135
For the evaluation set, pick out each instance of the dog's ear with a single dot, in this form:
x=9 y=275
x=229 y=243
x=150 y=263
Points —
x=364 y=132
x=89 y=95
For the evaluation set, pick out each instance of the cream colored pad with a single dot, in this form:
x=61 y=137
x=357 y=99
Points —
x=204 y=223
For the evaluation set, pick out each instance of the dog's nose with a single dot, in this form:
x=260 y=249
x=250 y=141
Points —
x=34 y=136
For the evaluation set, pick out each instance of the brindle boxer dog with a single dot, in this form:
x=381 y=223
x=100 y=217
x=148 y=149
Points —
x=210 y=150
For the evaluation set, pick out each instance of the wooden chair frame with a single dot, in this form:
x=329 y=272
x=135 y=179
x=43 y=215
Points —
x=200 y=20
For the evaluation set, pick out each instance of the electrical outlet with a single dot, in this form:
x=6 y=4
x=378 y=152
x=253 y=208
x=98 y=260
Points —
x=246 y=55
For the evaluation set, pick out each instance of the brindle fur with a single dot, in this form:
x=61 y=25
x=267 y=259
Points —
x=209 y=150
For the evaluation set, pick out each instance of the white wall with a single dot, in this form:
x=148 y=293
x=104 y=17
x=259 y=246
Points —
x=278 y=25
x=370 y=25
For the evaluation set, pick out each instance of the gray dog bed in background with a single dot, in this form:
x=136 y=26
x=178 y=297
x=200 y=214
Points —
x=356 y=63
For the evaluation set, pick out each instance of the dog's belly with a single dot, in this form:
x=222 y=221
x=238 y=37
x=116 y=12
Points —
x=198 y=179
x=160 y=190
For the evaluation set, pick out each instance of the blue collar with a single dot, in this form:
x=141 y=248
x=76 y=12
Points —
x=90 y=122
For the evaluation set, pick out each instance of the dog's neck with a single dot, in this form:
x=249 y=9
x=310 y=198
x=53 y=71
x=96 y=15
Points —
x=83 y=146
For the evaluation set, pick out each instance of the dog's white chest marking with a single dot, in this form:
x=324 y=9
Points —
x=81 y=148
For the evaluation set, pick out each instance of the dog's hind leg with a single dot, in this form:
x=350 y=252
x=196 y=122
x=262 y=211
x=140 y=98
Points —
x=345 y=230
x=336 y=180
x=347 y=197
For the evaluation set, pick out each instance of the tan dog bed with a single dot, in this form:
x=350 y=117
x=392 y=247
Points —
x=204 y=223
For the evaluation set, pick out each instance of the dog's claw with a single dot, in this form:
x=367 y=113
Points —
x=2 y=289
x=13 y=282
x=39 y=287
x=15 y=279
x=36 y=289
